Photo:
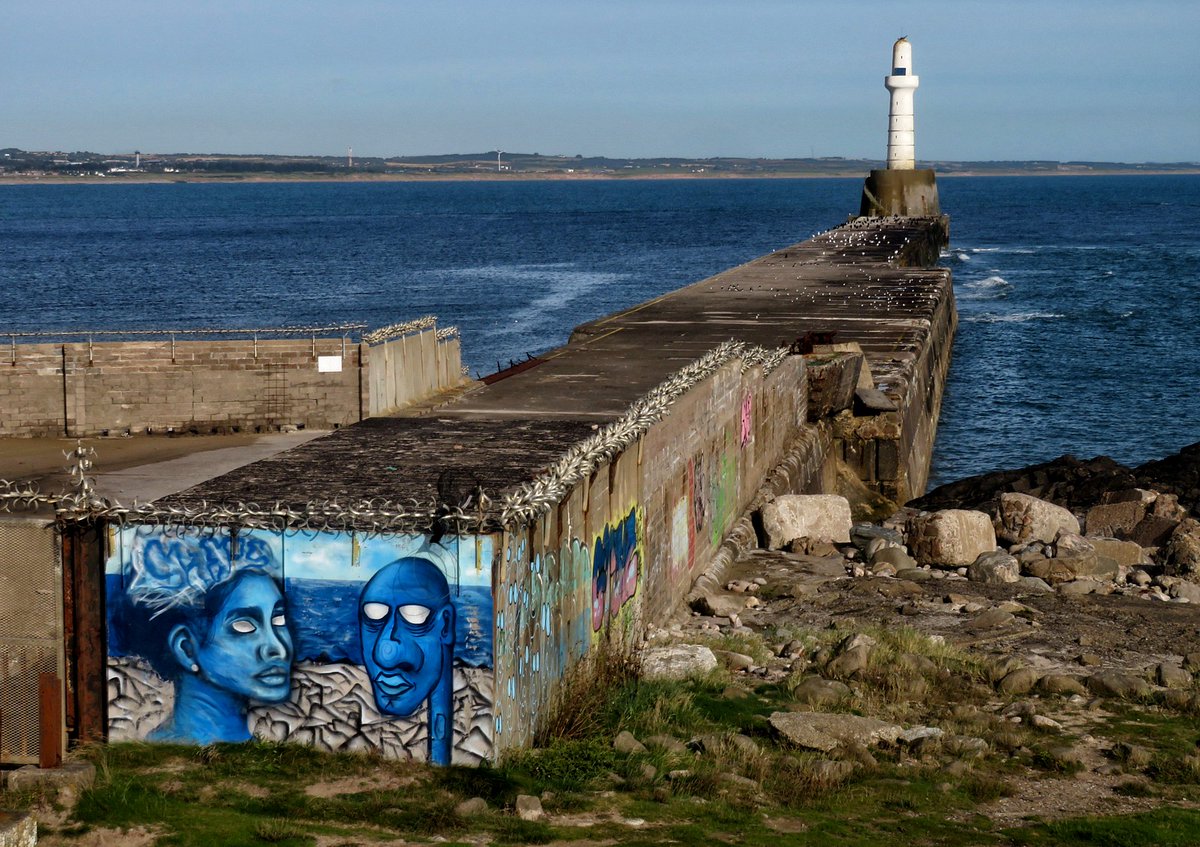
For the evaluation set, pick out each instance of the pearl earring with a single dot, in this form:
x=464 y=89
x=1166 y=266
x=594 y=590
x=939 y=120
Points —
x=195 y=668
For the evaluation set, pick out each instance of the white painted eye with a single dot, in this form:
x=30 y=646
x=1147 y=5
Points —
x=278 y=620
x=415 y=614
x=375 y=611
x=243 y=626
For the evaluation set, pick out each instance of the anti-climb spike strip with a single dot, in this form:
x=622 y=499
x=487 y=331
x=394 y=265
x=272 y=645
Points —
x=546 y=491
x=384 y=333
x=379 y=515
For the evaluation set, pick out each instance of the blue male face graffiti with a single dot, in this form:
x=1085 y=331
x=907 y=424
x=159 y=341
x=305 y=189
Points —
x=406 y=623
x=247 y=649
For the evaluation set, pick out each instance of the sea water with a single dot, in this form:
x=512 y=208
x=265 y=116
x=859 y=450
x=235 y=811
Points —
x=1077 y=295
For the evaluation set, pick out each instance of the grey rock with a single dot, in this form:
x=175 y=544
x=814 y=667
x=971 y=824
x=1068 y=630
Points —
x=991 y=619
x=819 y=692
x=1050 y=571
x=1022 y=519
x=861 y=535
x=898 y=558
x=914 y=574
x=850 y=662
x=951 y=537
x=832 y=379
x=1153 y=531
x=1079 y=586
x=1182 y=553
x=1125 y=553
x=719 y=605
x=1116 y=684
x=669 y=743
x=626 y=744
x=916 y=733
x=1035 y=584
x=965 y=746
x=1115 y=520
x=824 y=732
x=679 y=661
x=1018 y=682
x=1190 y=591
x=471 y=808
x=528 y=808
x=819 y=517
x=869 y=402
x=994 y=567
x=734 y=661
x=831 y=771
x=1061 y=684
x=1172 y=676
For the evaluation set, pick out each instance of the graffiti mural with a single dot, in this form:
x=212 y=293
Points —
x=332 y=639
x=747 y=419
x=616 y=565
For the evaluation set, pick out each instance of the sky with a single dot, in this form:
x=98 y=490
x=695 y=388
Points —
x=1066 y=80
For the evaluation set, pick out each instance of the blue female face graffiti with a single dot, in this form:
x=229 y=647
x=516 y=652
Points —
x=406 y=623
x=247 y=648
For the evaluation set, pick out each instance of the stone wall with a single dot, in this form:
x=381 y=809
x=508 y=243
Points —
x=623 y=548
x=84 y=388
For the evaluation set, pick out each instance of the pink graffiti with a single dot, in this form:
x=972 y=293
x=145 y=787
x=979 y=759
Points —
x=747 y=410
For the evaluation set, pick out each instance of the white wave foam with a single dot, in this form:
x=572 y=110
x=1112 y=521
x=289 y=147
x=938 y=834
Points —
x=989 y=283
x=1014 y=318
x=550 y=287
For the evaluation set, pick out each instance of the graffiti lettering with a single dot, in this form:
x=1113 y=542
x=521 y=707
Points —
x=616 y=563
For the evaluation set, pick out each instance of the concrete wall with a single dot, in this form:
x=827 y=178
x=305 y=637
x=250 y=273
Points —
x=216 y=386
x=624 y=547
x=319 y=652
x=409 y=368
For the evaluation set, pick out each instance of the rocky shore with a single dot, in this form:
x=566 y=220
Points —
x=1015 y=622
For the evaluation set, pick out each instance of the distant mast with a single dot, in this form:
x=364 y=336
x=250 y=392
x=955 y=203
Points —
x=901 y=84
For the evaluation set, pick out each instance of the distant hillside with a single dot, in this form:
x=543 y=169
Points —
x=80 y=164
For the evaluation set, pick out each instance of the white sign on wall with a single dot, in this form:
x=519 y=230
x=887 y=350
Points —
x=329 y=364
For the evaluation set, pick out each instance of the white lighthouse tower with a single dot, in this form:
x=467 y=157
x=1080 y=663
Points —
x=901 y=189
x=901 y=83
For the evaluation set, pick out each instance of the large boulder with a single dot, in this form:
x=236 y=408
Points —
x=679 y=661
x=1183 y=550
x=832 y=379
x=825 y=732
x=1115 y=520
x=1125 y=553
x=950 y=538
x=994 y=567
x=818 y=517
x=1021 y=519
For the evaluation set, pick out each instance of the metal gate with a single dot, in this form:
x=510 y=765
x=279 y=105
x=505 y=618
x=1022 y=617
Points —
x=31 y=630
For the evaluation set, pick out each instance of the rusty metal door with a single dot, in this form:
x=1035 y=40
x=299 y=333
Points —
x=31 y=630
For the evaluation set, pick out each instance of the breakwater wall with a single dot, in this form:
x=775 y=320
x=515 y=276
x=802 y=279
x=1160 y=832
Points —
x=224 y=385
x=444 y=574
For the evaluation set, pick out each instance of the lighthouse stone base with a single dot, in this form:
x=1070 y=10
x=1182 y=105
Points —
x=908 y=193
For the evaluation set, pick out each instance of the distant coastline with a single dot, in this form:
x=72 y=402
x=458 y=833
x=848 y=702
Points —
x=22 y=167
x=160 y=179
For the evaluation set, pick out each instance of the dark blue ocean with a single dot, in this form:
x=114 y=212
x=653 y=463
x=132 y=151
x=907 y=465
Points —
x=1080 y=329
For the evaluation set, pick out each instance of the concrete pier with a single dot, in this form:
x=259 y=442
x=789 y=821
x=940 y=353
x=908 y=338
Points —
x=869 y=282
x=551 y=510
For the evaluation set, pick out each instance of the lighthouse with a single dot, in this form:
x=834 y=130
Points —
x=901 y=83
x=902 y=188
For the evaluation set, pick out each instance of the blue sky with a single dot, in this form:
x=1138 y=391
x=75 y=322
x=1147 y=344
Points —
x=1074 y=79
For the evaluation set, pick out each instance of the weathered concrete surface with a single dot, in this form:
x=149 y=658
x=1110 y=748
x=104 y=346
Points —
x=853 y=281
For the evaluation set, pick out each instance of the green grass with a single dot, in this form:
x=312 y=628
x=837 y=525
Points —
x=1165 y=827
